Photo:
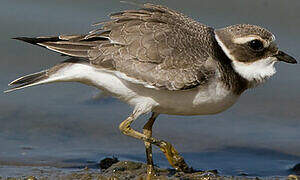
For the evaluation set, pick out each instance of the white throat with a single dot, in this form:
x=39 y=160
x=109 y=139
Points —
x=255 y=72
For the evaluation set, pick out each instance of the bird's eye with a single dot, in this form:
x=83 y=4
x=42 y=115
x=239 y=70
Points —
x=256 y=45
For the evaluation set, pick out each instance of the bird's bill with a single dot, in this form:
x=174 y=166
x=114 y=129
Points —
x=281 y=56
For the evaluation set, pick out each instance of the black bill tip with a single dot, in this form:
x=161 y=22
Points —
x=281 y=56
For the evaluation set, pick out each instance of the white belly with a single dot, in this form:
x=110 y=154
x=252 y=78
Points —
x=198 y=101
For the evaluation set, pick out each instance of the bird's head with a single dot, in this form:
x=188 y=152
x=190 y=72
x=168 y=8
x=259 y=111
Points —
x=252 y=51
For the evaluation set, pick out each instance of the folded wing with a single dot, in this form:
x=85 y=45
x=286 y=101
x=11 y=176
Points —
x=154 y=45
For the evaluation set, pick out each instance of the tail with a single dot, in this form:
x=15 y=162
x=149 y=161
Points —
x=75 y=46
x=28 y=80
x=57 y=73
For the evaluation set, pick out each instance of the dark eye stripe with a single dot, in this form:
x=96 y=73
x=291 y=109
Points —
x=256 y=45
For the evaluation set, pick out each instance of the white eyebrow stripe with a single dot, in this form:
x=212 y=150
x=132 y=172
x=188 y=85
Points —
x=243 y=40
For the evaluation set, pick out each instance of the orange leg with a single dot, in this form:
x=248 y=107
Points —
x=169 y=151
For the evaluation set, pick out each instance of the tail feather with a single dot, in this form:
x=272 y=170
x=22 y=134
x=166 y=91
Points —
x=60 y=72
x=28 y=80
x=76 y=46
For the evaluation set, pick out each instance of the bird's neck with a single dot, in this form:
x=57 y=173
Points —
x=232 y=80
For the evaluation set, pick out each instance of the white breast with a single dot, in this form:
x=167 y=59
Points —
x=198 y=101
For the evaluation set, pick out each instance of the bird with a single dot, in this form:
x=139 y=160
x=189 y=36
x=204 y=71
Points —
x=160 y=61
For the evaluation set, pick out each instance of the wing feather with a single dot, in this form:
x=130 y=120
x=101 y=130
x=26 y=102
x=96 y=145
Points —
x=154 y=45
x=158 y=46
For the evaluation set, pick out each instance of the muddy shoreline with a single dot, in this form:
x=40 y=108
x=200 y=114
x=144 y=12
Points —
x=112 y=169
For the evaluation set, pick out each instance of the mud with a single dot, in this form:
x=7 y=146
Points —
x=125 y=170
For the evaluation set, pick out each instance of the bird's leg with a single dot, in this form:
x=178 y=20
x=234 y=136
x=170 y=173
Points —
x=170 y=152
x=127 y=130
x=147 y=130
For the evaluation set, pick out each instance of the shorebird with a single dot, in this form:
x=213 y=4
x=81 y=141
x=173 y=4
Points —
x=162 y=62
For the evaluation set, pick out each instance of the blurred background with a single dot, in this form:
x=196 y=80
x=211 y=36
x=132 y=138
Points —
x=66 y=125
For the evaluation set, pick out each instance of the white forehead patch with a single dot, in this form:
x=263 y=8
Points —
x=256 y=72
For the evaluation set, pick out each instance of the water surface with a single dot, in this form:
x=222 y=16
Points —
x=61 y=125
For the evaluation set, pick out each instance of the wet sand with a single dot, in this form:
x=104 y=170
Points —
x=48 y=128
x=123 y=170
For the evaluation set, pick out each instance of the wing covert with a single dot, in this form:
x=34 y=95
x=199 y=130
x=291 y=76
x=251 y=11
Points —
x=156 y=45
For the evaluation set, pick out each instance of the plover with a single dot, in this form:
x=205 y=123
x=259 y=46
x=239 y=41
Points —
x=162 y=62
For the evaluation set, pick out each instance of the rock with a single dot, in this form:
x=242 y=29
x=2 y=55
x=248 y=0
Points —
x=107 y=162
x=296 y=169
x=292 y=177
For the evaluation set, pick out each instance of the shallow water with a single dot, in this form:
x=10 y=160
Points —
x=63 y=125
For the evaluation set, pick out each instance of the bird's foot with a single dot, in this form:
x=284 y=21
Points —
x=175 y=160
